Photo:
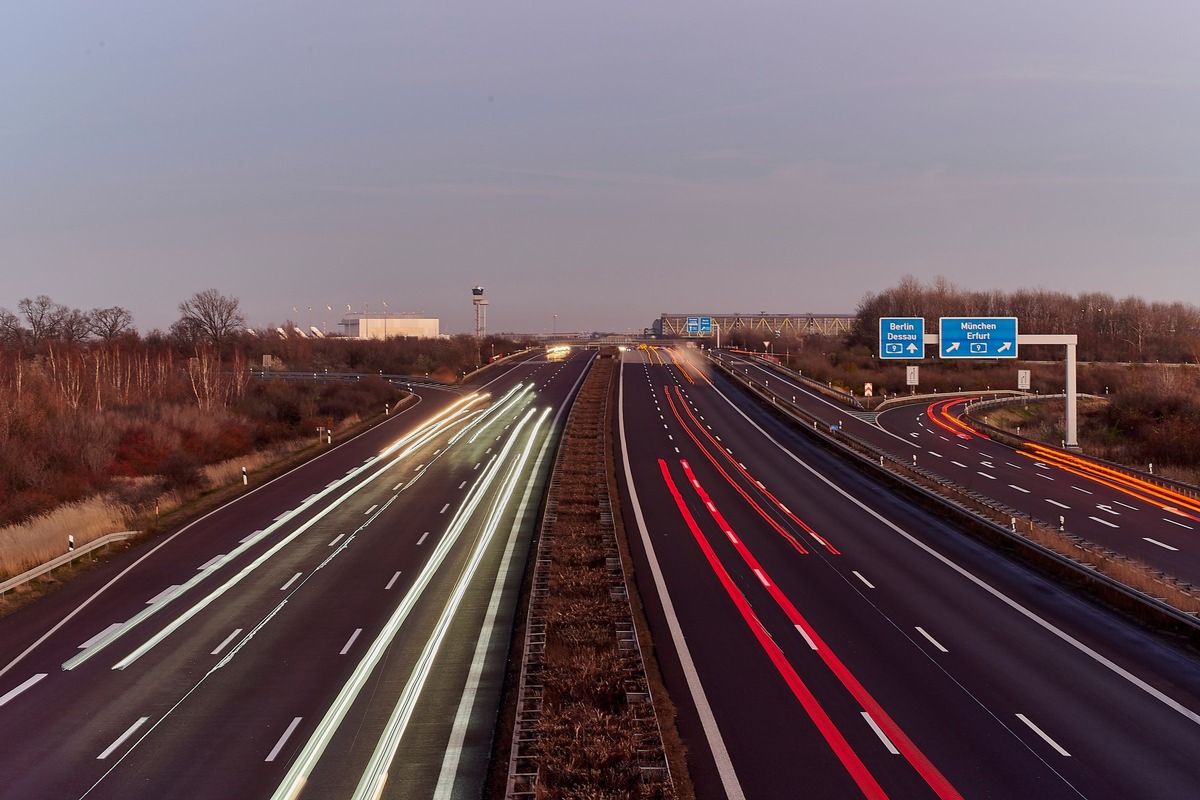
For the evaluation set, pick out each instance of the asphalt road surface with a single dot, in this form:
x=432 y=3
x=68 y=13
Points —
x=823 y=638
x=337 y=632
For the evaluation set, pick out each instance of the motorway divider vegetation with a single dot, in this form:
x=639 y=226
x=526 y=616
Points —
x=582 y=710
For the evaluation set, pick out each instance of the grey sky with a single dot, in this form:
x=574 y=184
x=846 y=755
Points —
x=600 y=161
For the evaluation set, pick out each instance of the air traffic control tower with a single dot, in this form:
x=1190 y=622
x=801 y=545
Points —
x=480 y=312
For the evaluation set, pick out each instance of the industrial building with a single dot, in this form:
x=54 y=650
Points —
x=363 y=326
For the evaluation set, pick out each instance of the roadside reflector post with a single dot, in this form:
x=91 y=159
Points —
x=70 y=542
x=1062 y=523
x=245 y=477
x=1014 y=524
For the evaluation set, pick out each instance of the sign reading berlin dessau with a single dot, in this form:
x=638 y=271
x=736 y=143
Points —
x=901 y=337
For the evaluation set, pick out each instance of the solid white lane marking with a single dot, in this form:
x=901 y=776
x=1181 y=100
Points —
x=27 y=684
x=1104 y=522
x=162 y=595
x=1160 y=544
x=392 y=582
x=443 y=511
x=121 y=739
x=807 y=638
x=350 y=643
x=1042 y=734
x=421 y=540
x=336 y=539
x=283 y=739
x=225 y=643
x=986 y=475
x=99 y=636
x=932 y=640
x=292 y=580
x=1056 y=503
x=1180 y=524
x=210 y=562
x=858 y=575
x=882 y=736
x=369 y=510
x=1018 y=488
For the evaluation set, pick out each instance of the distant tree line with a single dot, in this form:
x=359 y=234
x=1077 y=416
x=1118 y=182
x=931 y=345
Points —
x=89 y=404
x=1109 y=329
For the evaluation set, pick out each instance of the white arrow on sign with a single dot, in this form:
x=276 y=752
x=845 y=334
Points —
x=912 y=348
x=1004 y=347
x=953 y=347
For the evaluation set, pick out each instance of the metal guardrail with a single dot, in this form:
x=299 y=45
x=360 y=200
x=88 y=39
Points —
x=65 y=558
x=981 y=510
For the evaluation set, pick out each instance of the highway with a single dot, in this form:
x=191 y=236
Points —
x=821 y=637
x=338 y=632
x=1127 y=516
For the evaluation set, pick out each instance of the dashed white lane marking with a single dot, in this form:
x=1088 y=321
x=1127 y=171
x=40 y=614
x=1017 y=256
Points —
x=98 y=637
x=225 y=643
x=121 y=739
x=858 y=575
x=422 y=539
x=26 y=685
x=932 y=640
x=1160 y=544
x=882 y=736
x=291 y=580
x=1018 y=488
x=1042 y=734
x=1056 y=503
x=1104 y=522
x=392 y=582
x=807 y=638
x=283 y=739
x=350 y=643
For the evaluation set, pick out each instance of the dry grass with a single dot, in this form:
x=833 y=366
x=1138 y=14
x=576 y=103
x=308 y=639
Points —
x=42 y=538
x=26 y=546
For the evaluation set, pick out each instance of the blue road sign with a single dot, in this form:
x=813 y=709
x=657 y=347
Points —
x=693 y=325
x=706 y=325
x=977 y=337
x=901 y=337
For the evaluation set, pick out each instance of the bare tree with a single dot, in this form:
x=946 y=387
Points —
x=213 y=314
x=43 y=316
x=74 y=326
x=109 y=323
x=11 y=330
